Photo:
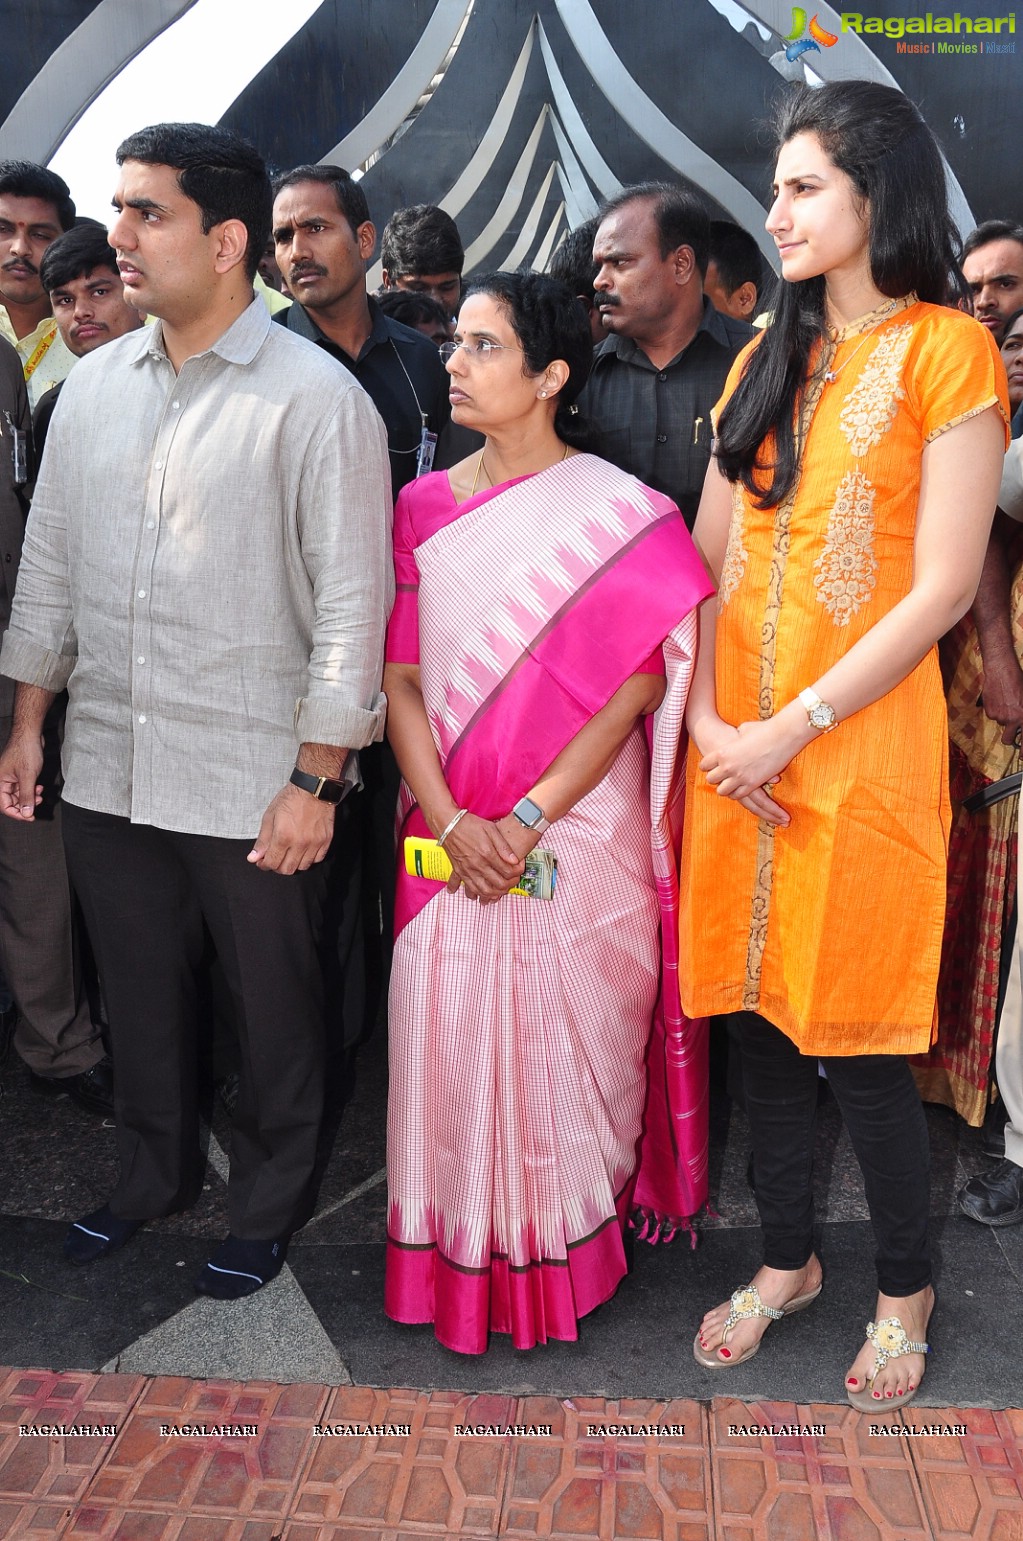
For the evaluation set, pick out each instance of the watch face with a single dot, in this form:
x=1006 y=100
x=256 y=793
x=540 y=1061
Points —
x=528 y=813
x=822 y=716
x=332 y=792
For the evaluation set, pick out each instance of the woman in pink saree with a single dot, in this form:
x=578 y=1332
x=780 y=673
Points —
x=544 y=1082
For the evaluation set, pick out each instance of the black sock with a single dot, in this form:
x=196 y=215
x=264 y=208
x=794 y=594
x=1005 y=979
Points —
x=241 y=1267
x=97 y=1235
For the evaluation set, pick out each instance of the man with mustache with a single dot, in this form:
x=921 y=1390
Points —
x=79 y=273
x=663 y=364
x=35 y=206
x=207 y=568
x=324 y=238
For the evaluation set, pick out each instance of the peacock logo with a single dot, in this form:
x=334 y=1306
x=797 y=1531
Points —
x=796 y=44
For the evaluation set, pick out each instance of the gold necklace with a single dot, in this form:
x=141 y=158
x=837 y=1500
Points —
x=831 y=375
x=481 y=467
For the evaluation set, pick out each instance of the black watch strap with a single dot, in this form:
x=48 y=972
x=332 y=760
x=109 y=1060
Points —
x=323 y=787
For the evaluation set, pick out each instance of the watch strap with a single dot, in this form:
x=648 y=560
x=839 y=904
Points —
x=531 y=815
x=325 y=788
x=822 y=716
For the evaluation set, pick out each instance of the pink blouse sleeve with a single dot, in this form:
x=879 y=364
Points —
x=403 y=630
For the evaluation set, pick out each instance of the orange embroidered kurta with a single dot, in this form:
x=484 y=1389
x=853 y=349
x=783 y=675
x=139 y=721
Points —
x=831 y=928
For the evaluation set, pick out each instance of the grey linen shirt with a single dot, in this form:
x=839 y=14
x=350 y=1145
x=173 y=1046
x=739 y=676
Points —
x=207 y=568
x=655 y=423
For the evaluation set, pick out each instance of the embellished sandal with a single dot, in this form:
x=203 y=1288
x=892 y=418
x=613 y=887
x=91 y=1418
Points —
x=746 y=1304
x=890 y=1342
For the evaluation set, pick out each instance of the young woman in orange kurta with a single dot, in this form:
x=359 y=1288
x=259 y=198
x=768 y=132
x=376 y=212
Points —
x=845 y=519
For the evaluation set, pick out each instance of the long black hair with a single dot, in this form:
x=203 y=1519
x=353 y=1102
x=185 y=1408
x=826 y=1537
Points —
x=550 y=324
x=876 y=136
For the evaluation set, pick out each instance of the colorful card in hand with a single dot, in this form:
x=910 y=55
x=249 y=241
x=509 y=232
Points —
x=426 y=859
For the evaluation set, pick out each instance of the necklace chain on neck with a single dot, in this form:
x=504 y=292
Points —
x=481 y=466
x=831 y=375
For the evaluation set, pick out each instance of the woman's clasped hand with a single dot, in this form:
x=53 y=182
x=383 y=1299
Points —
x=487 y=857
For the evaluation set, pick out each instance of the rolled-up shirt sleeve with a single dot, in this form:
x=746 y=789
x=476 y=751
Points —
x=345 y=530
x=40 y=646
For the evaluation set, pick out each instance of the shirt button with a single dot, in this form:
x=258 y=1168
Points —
x=141 y=659
x=662 y=376
x=150 y=524
x=142 y=593
x=143 y=717
x=662 y=438
x=175 y=405
x=159 y=464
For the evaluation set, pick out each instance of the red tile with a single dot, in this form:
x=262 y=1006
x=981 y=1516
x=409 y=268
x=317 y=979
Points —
x=428 y=1481
x=50 y=1471
x=972 y=1483
x=774 y=1485
x=247 y=1478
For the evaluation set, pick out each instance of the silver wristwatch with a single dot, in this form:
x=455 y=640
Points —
x=821 y=715
x=531 y=815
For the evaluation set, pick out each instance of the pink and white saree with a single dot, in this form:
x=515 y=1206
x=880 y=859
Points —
x=538 y=1051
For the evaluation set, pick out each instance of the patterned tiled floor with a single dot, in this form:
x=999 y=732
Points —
x=181 y=1460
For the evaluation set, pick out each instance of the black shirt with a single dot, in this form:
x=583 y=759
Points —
x=656 y=422
x=402 y=372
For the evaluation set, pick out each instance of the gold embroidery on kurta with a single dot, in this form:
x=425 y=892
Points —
x=846 y=569
x=736 y=555
x=760 y=906
x=870 y=407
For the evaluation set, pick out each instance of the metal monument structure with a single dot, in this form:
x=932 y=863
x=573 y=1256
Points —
x=519 y=116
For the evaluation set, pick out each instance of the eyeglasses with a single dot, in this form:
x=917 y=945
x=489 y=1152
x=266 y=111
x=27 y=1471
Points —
x=481 y=348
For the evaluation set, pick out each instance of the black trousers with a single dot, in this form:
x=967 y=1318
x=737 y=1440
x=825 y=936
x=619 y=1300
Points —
x=885 y=1120
x=145 y=893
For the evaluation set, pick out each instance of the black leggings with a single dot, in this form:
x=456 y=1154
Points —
x=885 y=1119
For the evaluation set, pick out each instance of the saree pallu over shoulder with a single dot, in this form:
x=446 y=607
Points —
x=519 y=1030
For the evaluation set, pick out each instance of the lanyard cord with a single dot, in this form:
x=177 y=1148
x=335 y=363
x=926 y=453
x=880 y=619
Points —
x=419 y=409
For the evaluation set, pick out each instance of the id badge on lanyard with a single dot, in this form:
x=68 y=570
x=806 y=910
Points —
x=426 y=451
x=19 y=451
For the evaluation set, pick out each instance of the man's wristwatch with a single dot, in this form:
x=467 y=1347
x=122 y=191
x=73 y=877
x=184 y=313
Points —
x=531 y=815
x=820 y=714
x=323 y=787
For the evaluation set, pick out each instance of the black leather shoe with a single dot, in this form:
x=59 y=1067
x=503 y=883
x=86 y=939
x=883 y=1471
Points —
x=997 y=1197
x=93 y=1090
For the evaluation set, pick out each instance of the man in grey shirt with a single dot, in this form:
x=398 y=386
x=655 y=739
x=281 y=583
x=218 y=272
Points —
x=206 y=568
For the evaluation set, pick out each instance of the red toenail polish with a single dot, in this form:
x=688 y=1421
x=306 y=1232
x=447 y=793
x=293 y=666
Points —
x=900 y=1391
x=852 y=1381
x=726 y=1353
x=876 y=1396
x=887 y=1393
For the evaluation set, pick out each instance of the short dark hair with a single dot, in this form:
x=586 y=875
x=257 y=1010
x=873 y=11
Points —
x=573 y=262
x=74 y=255
x=736 y=256
x=24 y=179
x=421 y=239
x=550 y=324
x=411 y=308
x=681 y=217
x=218 y=170
x=992 y=230
x=351 y=200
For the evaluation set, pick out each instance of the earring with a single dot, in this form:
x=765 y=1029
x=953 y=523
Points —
x=544 y=394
